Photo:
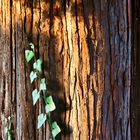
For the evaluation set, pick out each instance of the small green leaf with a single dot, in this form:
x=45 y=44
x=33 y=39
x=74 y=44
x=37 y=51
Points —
x=33 y=75
x=29 y=55
x=37 y=65
x=32 y=45
x=36 y=96
x=50 y=106
x=9 y=135
x=55 y=129
x=42 y=84
x=41 y=119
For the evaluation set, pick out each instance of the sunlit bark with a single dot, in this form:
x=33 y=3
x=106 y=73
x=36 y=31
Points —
x=85 y=46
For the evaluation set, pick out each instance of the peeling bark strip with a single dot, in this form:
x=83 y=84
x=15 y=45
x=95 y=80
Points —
x=85 y=46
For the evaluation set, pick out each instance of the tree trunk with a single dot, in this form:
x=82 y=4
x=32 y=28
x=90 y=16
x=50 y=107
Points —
x=135 y=90
x=85 y=46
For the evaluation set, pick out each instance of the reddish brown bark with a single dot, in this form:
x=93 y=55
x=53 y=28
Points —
x=85 y=46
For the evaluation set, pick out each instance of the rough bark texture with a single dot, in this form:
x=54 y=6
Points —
x=85 y=46
x=135 y=96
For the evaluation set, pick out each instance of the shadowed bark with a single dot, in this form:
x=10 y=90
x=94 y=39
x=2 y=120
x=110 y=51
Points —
x=135 y=90
x=85 y=46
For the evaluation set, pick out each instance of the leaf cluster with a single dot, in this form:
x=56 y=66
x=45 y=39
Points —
x=36 y=93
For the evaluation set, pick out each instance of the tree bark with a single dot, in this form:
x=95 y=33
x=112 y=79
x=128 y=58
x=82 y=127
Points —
x=135 y=90
x=86 y=50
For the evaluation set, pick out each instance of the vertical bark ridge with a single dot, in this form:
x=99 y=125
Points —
x=44 y=45
x=5 y=63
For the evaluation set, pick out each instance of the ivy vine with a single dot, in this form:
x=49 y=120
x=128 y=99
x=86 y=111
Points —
x=41 y=92
x=9 y=128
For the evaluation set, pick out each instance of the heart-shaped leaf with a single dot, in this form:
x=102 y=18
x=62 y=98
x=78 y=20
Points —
x=33 y=75
x=29 y=55
x=41 y=119
x=36 y=96
x=50 y=106
x=37 y=65
x=32 y=45
x=42 y=84
x=55 y=129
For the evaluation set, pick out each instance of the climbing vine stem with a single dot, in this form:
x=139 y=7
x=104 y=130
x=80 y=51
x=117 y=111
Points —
x=41 y=92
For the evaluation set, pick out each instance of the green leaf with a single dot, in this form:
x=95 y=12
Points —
x=41 y=119
x=33 y=75
x=9 y=135
x=50 y=106
x=36 y=96
x=55 y=129
x=32 y=45
x=37 y=65
x=42 y=84
x=29 y=55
